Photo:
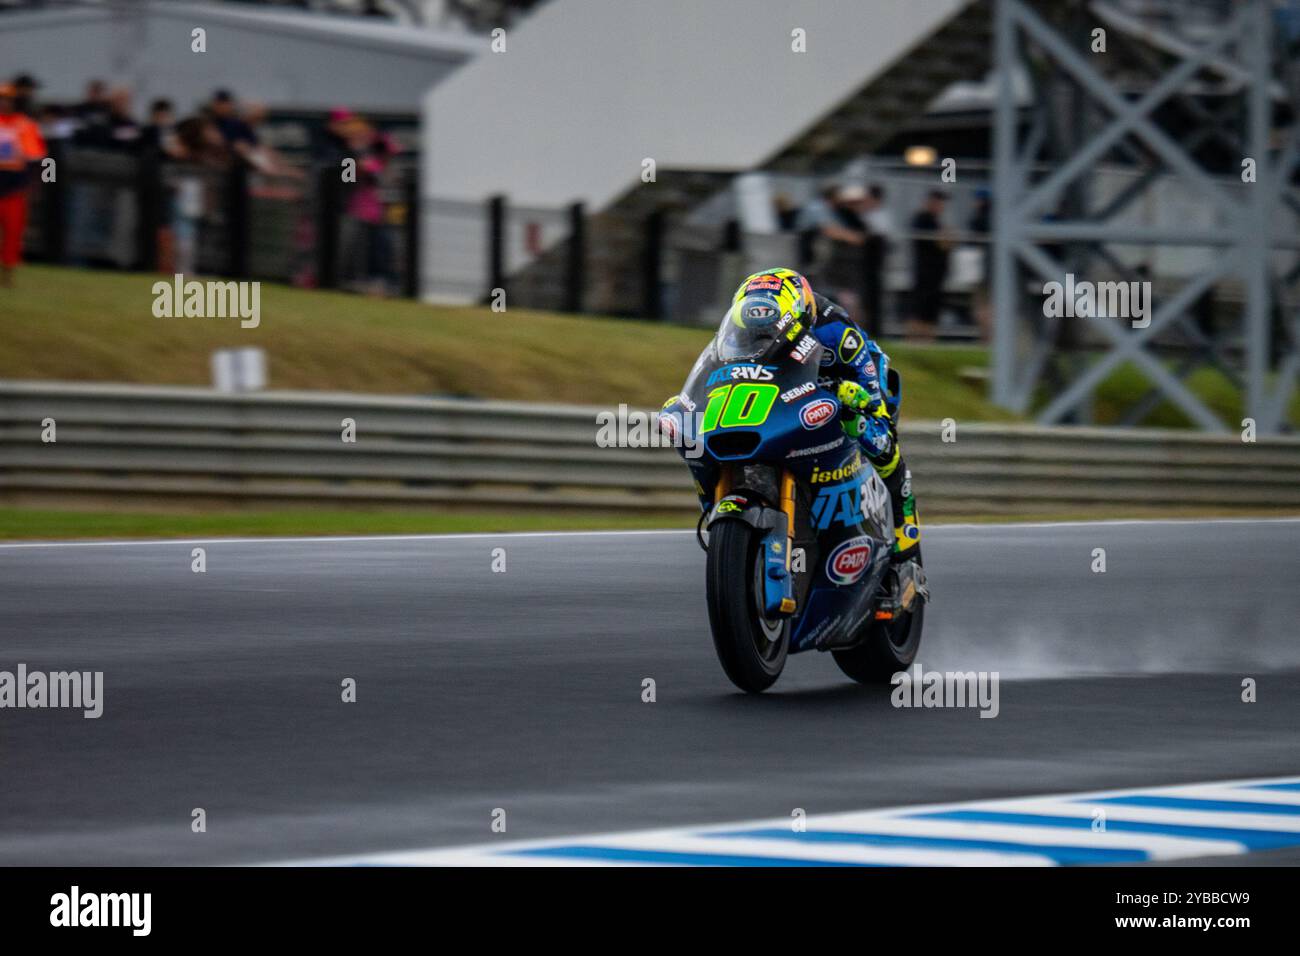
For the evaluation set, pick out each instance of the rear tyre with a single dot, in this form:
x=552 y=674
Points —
x=751 y=647
x=887 y=647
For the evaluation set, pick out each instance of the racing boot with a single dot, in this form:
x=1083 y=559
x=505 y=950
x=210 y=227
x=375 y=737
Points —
x=907 y=573
x=868 y=420
x=907 y=526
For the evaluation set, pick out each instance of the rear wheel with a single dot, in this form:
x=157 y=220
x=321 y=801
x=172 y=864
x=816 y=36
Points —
x=887 y=647
x=751 y=647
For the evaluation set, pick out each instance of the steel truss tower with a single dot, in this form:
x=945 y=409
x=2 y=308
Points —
x=1178 y=113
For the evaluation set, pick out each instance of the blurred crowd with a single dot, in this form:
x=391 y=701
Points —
x=21 y=150
x=846 y=232
x=197 y=146
x=844 y=235
x=366 y=238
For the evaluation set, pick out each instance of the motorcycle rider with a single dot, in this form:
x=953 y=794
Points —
x=868 y=390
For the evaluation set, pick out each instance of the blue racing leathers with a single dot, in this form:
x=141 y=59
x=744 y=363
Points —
x=869 y=392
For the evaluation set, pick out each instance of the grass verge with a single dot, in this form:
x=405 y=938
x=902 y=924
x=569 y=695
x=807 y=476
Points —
x=81 y=325
x=18 y=524
x=28 y=523
x=84 y=325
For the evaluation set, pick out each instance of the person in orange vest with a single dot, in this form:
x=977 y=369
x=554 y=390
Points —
x=21 y=146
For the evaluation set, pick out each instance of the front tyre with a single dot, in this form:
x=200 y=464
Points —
x=751 y=647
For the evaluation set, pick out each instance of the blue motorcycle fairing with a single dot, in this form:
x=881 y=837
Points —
x=852 y=525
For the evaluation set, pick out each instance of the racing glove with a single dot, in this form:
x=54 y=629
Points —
x=856 y=406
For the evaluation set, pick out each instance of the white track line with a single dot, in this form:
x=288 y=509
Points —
x=1084 y=810
x=1018 y=843
x=678 y=841
x=481 y=535
x=1156 y=846
x=329 y=539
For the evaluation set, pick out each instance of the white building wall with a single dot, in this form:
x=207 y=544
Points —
x=272 y=56
x=587 y=89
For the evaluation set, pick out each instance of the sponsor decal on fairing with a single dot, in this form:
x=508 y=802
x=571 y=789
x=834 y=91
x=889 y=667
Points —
x=803 y=348
x=825 y=476
x=849 y=561
x=818 y=413
x=816 y=449
x=742 y=372
x=799 y=391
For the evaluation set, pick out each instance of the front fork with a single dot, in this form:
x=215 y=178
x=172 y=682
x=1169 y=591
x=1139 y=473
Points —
x=777 y=542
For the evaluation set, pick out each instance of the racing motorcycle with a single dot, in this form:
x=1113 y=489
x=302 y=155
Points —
x=796 y=524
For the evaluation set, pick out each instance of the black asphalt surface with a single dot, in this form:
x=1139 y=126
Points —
x=523 y=690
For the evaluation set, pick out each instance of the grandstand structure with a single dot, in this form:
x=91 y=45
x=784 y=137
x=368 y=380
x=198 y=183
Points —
x=1202 y=100
x=651 y=82
x=1119 y=164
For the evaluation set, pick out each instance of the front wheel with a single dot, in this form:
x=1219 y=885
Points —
x=751 y=647
x=886 y=648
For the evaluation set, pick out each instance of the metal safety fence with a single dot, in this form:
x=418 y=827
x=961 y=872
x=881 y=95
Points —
x=189 y=443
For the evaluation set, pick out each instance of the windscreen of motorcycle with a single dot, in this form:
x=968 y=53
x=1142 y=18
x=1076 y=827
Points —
x=749 y=329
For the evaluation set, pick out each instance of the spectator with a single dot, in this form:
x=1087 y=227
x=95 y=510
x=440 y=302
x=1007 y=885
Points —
x=846 y=232
x=879 y=228
x=57 y=123
x=158 y=136
x=94 y=108
x=369 y=243
x=102 y=208
x=124 y=131
x=21 y=147
x=25 y=87
x=981 y=216
x=930 y=248
x=92 y=112
x=199 y=146
x=980 y=220
x=107 y=124
x=334 y=146
x=330 y=148
x=235 y=131
x=99 y=222
x=157 y=143
x=787 y=214
x=879 y=218
x=85 y=221
x=813 y=252
x=199 y=141
x=260 y=155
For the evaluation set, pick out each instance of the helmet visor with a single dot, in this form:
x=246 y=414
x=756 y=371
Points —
x=749 y=328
